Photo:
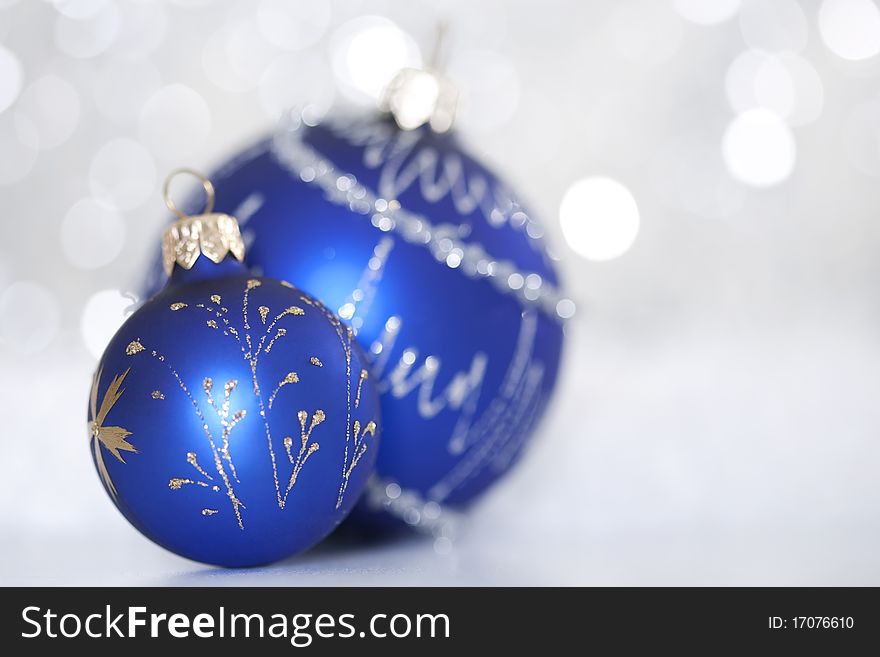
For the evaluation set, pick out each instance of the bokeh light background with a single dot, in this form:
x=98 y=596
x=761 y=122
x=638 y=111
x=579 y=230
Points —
x=707 y=169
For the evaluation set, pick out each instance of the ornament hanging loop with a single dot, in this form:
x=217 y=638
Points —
x=437 y=62
x=209 y=234
x=207 y=185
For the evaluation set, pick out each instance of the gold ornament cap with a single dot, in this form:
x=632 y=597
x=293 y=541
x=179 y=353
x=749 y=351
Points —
x=419 y=96
x=213 y=235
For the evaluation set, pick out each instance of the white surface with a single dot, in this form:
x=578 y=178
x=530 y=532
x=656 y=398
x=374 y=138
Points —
x=712 y=457
x=717 y=420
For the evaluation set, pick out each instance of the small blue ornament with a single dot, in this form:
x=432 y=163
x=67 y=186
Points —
x=232 y=418
x=441 y=273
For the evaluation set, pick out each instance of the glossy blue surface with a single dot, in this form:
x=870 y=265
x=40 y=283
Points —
x=179 y=488
x=466 y=361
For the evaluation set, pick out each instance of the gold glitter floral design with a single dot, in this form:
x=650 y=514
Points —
x=253 y=341
x=223 y=414
x=290 y=378
x=134 y=347
x=252 y=346
x=220 y=453
x=112 y=438
x=359 y=449
x=306 y=449
x=363 y=377
x=355 y=439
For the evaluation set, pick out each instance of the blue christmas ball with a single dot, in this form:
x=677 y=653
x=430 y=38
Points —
x=442 y=274
x=232 y=418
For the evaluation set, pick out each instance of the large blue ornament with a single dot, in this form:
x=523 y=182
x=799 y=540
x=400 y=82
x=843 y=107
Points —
x=232 y=417
x=441 y=273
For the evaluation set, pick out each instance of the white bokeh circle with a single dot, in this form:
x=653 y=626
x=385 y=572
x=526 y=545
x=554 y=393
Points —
x=48 y=110
x=293 y=25
x=366 y=53
x=18 y=152
x=759 y=148
x=11 y=76
x=79 y=9
x=785 y=83
x=294 y=80
x=808 y=90
x=175 y=122
x=706 y=12
x=248 y=51
x=565 y=308
x=29 y=317
x=122 y=87
x=142 y=30
x=90 y=35
x=599 y=218
x=217 y=65
x=850 y=28
x=92 y=234
x=774 y=26
x=122 y=174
